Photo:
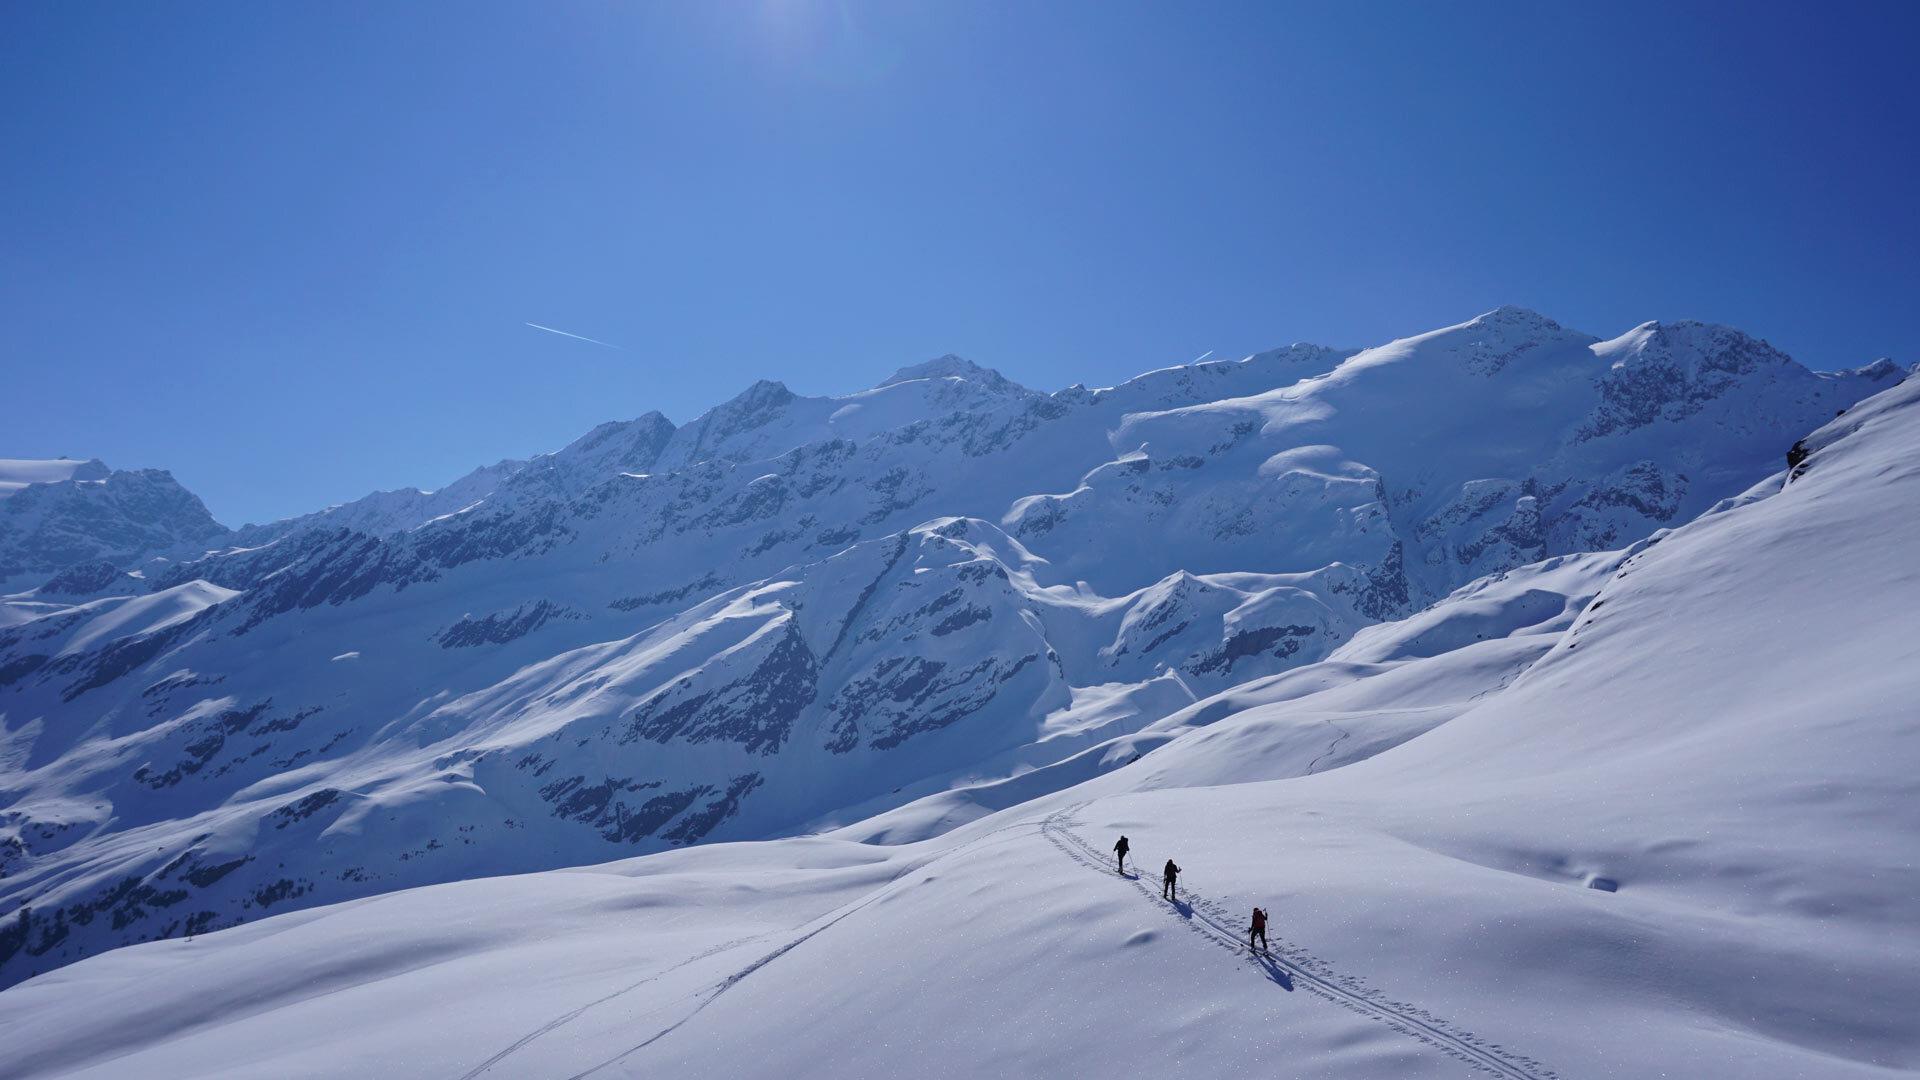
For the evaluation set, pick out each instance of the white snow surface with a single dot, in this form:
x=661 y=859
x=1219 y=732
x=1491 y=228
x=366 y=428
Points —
x=1615 y=777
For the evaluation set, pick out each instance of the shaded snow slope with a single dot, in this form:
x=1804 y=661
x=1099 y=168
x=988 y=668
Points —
x=1632 y=814
x=797 y=612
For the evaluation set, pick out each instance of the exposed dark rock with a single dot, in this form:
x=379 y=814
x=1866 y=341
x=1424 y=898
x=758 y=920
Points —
x=757 y=712
x=83 y=579
x=1277 y=642
x=502 y=627
x=304 y=808
x=697 y=825
x=666 y=596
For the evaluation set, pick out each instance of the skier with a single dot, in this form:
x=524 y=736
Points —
x=1166 y=882
x=1258 y=931
x=1120 y=850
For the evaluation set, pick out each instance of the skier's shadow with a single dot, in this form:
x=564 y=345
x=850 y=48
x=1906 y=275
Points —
x=1275 y=971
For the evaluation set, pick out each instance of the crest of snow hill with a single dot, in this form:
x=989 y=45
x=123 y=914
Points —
x=792 y=611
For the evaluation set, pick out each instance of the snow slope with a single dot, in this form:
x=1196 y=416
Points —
x=794 y=613
x=1656 y=819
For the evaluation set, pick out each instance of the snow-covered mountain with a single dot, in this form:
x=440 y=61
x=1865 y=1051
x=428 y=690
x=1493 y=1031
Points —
x=1638 y=812
x=613 y=447
x=63 y=514
x=948 y=593
x=762 y=423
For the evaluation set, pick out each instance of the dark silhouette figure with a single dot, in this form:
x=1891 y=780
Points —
x=1120 y=851
x=1258 y=931
x=1166 y=880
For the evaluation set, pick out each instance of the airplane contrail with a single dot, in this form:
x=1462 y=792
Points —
x=576 y=337
x=1201 y=357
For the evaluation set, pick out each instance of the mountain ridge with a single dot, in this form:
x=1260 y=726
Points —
x=1604 y=787
x=792 y=606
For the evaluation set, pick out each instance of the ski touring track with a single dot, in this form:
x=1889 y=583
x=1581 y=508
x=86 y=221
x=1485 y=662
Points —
x=574 y=1014
x=1331 y=747
x=707 y=996
x=1209 y=918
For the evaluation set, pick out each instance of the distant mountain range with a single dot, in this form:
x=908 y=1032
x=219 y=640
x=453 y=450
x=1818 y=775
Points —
x=794 y=612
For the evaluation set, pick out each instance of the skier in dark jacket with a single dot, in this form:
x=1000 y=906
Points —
x=1258 y=931
x=1166 y=883
x=1120 y=851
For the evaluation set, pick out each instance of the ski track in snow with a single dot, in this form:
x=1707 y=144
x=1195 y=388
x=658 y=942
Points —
x=1208 y=918
x=728 y=983
x=1205 y=916
x=1344 y=735
x=568 y=1017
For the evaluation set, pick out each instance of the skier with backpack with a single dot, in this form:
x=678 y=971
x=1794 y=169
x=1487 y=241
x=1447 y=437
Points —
x=1167 y=880
x=1258 y=931
x=1120 y=851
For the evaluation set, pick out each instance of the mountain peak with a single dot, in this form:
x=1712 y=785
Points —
x=1693 y=345
x=763 y=394
x=63 y=511
x=619 y=445
x=1300 y=352
x=1511 y=316
x=649 y=422
x=1490 y=342
x=1882 y=368
x=951 y=366
x=17 y=473
x=1504 y=326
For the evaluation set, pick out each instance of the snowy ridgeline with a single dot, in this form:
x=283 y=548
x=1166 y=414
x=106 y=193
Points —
x=1742 y=790
x=1598 y=799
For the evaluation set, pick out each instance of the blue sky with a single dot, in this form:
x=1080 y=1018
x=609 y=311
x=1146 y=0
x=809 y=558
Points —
x=288 y=251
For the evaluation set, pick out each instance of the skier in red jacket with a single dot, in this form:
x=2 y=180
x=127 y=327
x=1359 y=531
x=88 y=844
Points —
x=1258 y=932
